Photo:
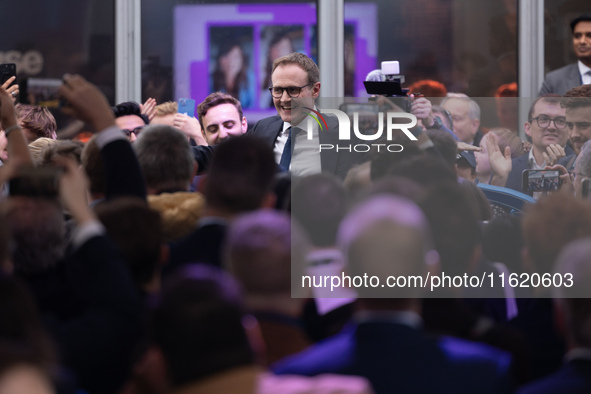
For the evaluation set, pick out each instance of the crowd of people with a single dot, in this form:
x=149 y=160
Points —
x=180 y=254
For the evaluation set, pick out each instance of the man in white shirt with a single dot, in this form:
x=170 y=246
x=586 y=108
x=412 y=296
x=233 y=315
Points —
x=575 y=74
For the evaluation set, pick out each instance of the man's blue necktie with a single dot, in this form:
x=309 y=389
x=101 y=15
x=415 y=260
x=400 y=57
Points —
x=286 y=155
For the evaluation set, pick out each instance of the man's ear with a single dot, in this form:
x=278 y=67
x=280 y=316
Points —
x=527 y=129
x=316 y=90
x=244 y=125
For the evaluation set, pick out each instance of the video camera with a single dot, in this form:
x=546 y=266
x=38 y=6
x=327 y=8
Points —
x=388 y=82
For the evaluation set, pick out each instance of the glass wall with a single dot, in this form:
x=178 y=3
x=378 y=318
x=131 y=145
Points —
x=47 y=39
x=558 y=42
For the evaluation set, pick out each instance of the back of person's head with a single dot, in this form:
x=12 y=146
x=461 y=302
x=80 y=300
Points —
x=68 y=149
x=382 y=162
x=129 y=108
x=92 y=162
x=586 y=17
x=23 y=340
x=574 y=301
x=37 y=147
x=165 y=157
x=445 y=145
x=319 y=203
x=552 y=223
x=456 y=232
x=510 y=139
x=36 y=122
x=241 y=175
x=167 y=108
x=425 y=169
x=383 y=236
x=302 y=61
x=137 y=231
x=579 y=91
x=478 y=201
x=263 y=252
x=215 y=99
x=38 y=234
x=198 y=325
x=502 y=241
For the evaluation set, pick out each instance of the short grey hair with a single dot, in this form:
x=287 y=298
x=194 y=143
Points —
x=165 y=157
x=473 y=107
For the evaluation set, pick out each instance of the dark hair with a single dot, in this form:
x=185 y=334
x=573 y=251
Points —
x=424 y=169
x=165 y=157
x=547 y=98
x=454 y=227
x=445 y=144
x=22 y=337
x=319 y=203
x=241 y=174
x=583 y=91
x=129 y=108
x=219 y=78
x=92 y=162
x=215 y=99
x=137 y=231
x=503 y=241
x=198 y=324
x=581 y=18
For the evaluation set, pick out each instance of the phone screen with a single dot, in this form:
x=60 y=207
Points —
x=540 y=181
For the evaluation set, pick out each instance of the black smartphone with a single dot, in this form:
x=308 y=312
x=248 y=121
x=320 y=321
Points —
x=7 y=70
x=540 y=181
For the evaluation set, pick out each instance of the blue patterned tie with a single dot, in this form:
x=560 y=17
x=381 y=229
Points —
x=286 y=155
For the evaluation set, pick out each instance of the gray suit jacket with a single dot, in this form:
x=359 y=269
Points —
x=561 y=80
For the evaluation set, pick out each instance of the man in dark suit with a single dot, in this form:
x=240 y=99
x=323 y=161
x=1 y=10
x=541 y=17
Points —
x=576 y=74
x=547 y=128
x=385 y=343
x=295 y=79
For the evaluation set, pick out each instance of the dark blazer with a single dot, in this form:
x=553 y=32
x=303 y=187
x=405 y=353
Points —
x=573 y=378
x=204 y=245
x=514 y=179
x=396 y=358
x=561 y=80
x=331 y=161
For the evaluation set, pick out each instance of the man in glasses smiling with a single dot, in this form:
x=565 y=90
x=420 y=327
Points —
x=546 y=126
x=129 y=117
x=295 y=85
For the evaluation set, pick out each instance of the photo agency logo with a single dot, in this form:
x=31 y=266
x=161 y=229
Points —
x=347 y=134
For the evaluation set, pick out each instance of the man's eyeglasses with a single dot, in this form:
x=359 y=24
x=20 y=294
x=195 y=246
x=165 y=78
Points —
x=292 y=91
x=544 y=121
x=135 y=131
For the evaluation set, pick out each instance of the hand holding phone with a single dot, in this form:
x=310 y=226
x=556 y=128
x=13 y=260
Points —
x=540 y=181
